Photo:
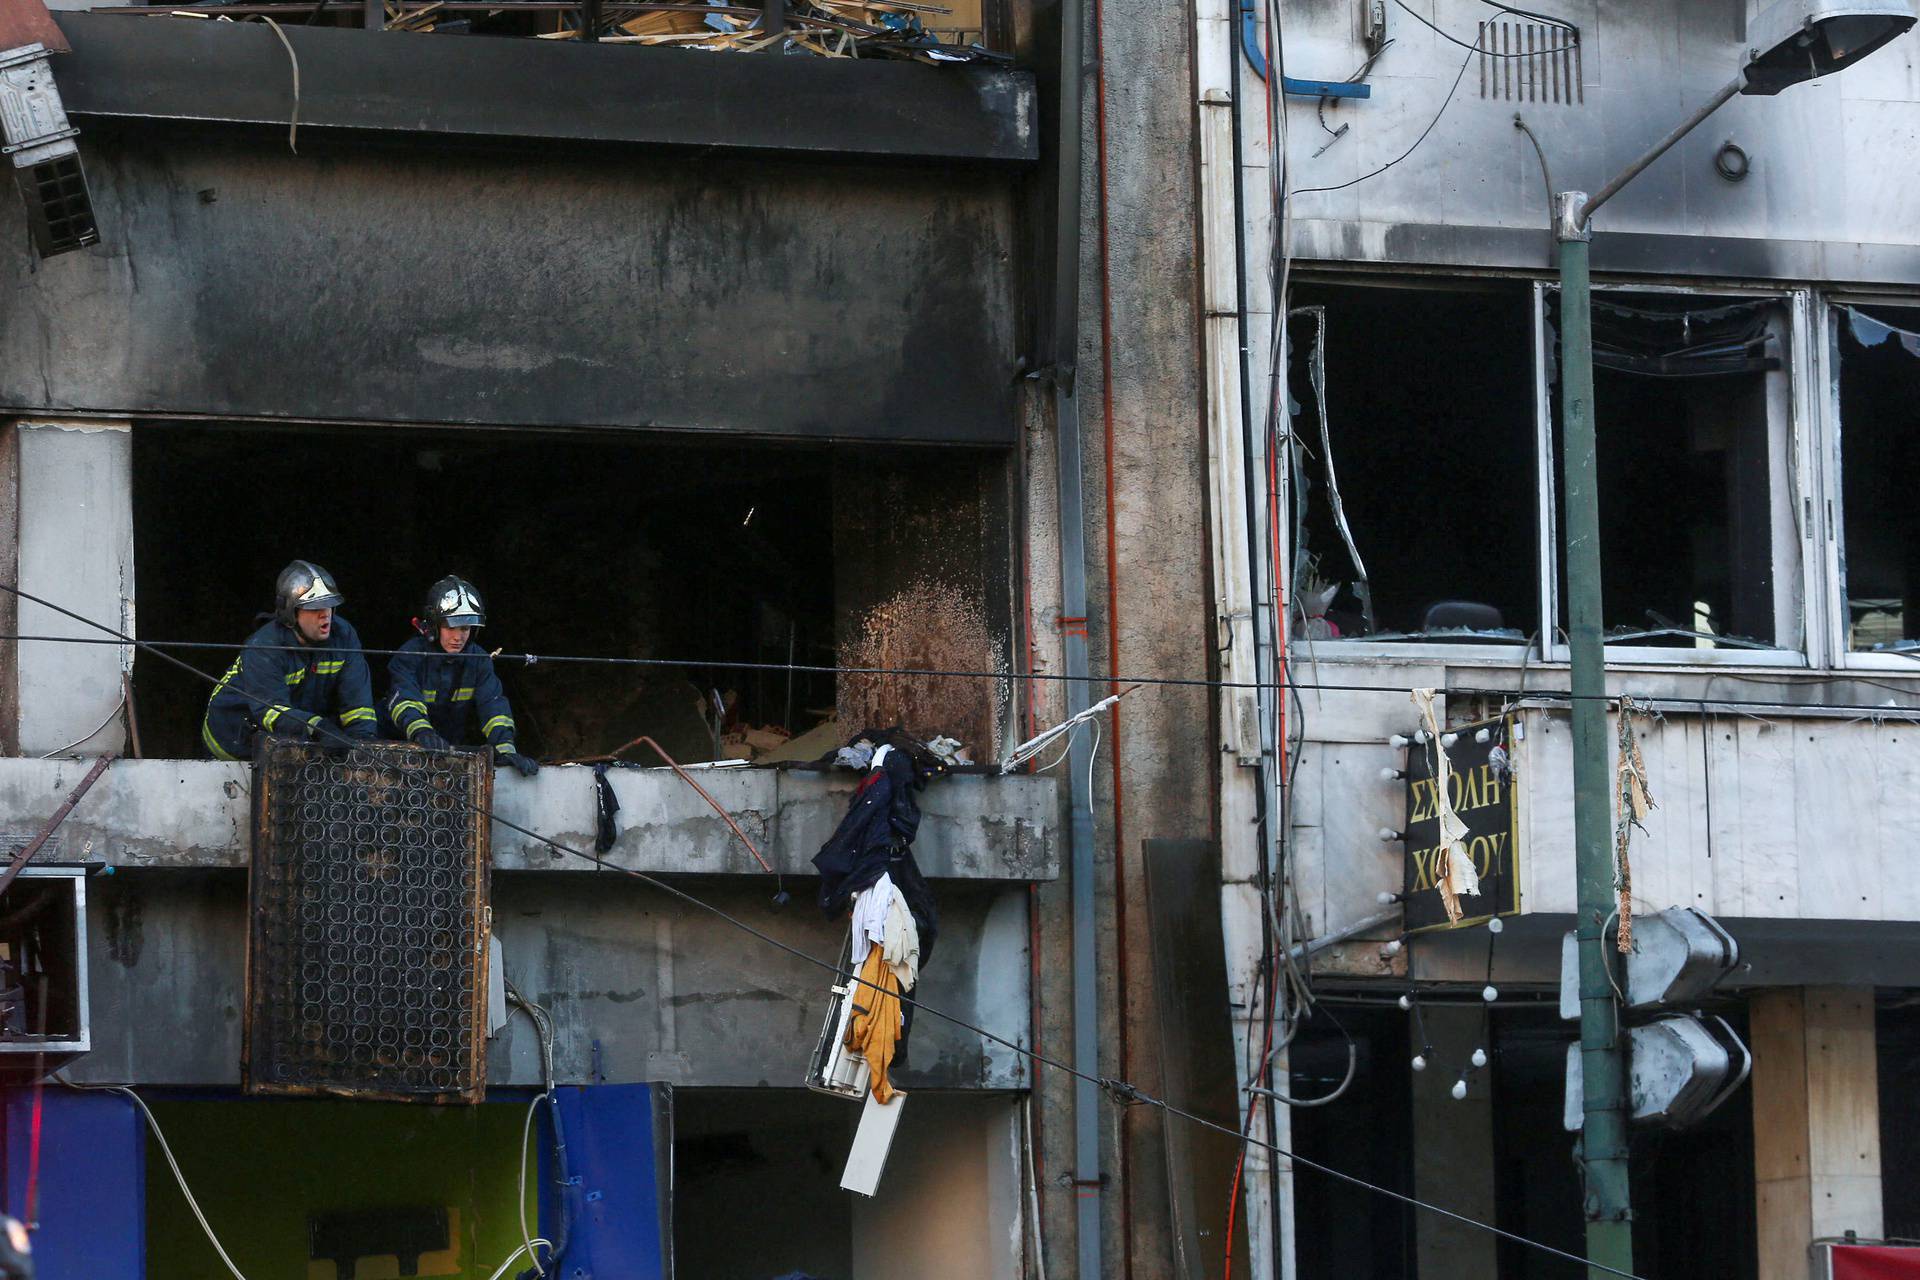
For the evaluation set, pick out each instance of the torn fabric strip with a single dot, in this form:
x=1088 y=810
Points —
x=1454 y=873
x=1631 y=803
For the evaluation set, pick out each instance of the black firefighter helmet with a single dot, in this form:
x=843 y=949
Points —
x=304 y=585
x=452 y=602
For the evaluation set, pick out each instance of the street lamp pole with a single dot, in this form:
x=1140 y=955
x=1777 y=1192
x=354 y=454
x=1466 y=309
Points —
x=1603 y=1136
x=1798 y=40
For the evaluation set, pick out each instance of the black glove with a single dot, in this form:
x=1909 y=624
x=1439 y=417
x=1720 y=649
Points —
x=330 y=738
x=527 y=765
x=429 y=739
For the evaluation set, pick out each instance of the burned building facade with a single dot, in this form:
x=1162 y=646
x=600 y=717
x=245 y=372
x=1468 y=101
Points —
x=707 y=366
x=958 y=371
x=1401 y=493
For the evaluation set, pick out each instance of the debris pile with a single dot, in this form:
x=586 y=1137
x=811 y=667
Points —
x=899 y=29
x=830 y=28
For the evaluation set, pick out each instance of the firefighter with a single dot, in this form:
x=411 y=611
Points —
x=443 y=684
x=301 y=674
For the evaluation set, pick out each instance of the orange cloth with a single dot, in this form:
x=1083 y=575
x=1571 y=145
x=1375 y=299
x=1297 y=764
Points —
x=874 y=1030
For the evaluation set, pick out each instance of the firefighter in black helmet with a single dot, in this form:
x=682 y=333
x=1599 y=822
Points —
x=442 y=684
x=302 y=674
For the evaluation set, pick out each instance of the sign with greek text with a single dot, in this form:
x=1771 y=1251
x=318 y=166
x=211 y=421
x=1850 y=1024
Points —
x=1480 y=788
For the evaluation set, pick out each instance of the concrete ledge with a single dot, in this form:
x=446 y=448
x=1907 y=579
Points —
x=433 y=88
x=197 y=813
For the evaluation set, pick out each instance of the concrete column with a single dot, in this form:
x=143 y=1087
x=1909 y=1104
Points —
x=1816 y=1122
x=76 y=550
x=1453 y=1149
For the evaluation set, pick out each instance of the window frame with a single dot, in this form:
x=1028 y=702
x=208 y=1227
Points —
x=1831 y=492
x=1511 y=653
x=1799 y=489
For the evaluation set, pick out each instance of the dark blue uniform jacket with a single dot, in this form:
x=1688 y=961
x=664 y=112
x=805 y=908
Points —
x=282 y=686
x=449 y=692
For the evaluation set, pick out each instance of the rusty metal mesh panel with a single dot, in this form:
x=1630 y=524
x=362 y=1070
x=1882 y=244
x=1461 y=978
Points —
x=367 y=953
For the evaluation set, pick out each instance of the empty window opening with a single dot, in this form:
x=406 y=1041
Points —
x=1879 y=380
x=616 y=547
x=1692 y=416
x=1422 y=447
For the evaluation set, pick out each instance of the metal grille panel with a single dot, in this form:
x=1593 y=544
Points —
x=367 y=953
x=1531 y=62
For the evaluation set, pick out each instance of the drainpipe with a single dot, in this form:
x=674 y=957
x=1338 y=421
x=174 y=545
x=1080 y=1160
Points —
x=1071 y=515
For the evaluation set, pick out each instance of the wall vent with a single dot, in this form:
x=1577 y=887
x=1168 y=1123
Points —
x=1530 y=62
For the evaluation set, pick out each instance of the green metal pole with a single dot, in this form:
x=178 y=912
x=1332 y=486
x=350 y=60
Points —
x=1603 y=1137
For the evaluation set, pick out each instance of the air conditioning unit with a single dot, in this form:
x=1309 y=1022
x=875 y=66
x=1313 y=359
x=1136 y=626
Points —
x=834 y=1068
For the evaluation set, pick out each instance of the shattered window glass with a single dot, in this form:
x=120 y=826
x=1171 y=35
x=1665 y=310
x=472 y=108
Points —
x=1692 y=413
x=1879 y=382
x=1413 y=476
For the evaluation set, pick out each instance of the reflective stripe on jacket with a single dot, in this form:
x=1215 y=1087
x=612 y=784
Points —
x=449 y=693
x=281 y=686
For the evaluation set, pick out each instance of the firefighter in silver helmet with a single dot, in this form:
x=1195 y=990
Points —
x=301 y=674
x=443 y=688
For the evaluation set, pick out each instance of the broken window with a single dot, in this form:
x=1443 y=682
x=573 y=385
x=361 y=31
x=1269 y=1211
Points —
x=723 y=563
x=1414 y=467
x=1879 y=387
x=1692 y=413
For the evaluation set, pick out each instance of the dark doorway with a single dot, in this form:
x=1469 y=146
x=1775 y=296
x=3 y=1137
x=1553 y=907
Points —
x=1348 y=1232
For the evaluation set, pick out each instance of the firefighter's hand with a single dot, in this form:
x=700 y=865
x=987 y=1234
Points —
x=430 y=740
x=526 y=765
x=330 y=739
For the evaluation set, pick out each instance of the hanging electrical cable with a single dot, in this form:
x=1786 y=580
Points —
x=1118 y=1091
x=1789 y=679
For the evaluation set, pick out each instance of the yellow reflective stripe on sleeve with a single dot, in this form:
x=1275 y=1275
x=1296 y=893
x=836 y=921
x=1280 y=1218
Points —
x=273 y=714
x=506 y=749
x=354 y=715
x=329 y=666
x=296 y=675
x=498 y=722
x=408 y=705
x=418 y=726
x=431 y=695
x=213 y=745
x=232 y=671
x=462 y=695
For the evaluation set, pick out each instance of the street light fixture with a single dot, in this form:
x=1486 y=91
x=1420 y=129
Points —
x=1796 y=40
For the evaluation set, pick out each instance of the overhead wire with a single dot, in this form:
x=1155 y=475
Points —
x=166 y=1150
x=1118 y=1091
x=193 y=1204
x=1431 y=125
x=1789 y=676
x=1450 y=38
x=112 y=715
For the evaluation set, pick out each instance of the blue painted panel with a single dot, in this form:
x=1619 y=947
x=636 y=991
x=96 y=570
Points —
x=619 y=1140
x=93 y=1182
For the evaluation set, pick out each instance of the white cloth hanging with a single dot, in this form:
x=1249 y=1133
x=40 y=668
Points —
x=901 y=950
x=870 y=916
